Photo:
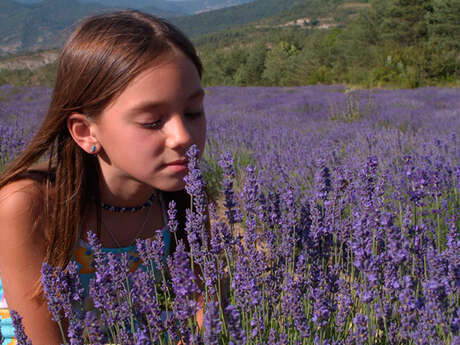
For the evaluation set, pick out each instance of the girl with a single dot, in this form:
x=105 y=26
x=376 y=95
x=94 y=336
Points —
x=126 y=106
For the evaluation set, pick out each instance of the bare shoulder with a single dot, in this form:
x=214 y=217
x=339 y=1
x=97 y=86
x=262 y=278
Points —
x=22 y=252
x=21 y=202
x=20 y=196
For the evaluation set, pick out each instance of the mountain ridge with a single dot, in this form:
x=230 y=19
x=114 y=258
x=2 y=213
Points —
x=46 y=24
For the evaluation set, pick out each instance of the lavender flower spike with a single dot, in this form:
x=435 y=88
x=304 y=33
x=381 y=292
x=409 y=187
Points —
x=21 y=336
x=93 y=327
x=172 y=214
x=50 y=289
x=231 y=204
x=212 y=324
x=194 y=180
x=234 y=326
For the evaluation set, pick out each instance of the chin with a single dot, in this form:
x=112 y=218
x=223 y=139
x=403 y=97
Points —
x=172 y=187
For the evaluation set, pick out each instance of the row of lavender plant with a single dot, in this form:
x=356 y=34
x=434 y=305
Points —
x=355 y=243
x=343 y=267
x=21 y=111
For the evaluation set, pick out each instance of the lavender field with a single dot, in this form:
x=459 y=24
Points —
x=336 y=222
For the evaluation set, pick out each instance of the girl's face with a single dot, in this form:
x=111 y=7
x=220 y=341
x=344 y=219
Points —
x=150 y=126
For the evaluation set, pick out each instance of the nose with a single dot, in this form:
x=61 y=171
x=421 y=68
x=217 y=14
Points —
x=178 y=132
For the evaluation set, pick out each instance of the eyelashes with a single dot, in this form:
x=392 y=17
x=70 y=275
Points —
x=159 y=123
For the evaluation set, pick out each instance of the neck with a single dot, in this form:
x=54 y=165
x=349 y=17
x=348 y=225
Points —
x=132 y=193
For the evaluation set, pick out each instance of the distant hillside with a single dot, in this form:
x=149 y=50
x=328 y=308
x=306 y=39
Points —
x=225 y=18
x=28 y=27
x=175 y=7
x=289 y=43
x=272 y=13
x=44 y=25
x=34 y=25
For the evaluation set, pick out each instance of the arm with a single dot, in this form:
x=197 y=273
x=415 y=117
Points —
x=22 y=249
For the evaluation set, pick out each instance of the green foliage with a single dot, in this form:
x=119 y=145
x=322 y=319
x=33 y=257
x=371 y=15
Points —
x=44 y=75
x=404 y=21
x=226 y=18
x=443 y=23
x=212 y=174
x=250 y=73
x=279 y=68
x=396 y=43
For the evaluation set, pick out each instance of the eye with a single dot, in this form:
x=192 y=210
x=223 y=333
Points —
x=153 y=125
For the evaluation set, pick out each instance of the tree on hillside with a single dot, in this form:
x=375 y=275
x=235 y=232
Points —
x=279 y=64
x=404 y=21
x=443 y=25
x=250 y=72
x=444 y=40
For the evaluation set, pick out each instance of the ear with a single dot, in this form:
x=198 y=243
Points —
x=82 y=130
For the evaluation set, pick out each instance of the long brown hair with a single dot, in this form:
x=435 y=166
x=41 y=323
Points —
x=102 y=56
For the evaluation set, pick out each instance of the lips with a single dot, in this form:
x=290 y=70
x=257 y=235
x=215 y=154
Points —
x=178 y=162
x=178 y=166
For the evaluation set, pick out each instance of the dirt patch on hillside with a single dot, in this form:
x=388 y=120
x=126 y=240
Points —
x=355 y=5
x=32 y=61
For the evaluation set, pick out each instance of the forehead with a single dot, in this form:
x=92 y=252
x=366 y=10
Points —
x=173 y=80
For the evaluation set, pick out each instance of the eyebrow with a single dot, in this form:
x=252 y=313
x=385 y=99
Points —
x=148 y=105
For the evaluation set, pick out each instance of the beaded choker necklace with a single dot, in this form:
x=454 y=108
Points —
x=134 y=209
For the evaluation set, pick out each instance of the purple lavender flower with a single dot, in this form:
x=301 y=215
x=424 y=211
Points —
x=288 y=227
x=142 y=337
x=183 y=283
x=292 y=304
x=272 y=336
x=145 y=305
x=408 y=309
x=257 y=325
x=322 y=181
x=125 y=337
x=50 y=290
x=244 y=283
x=456 y=340
x=109 y=291
x=232 y=211
x=211 y=324
x=172 y=213
x=93 y=328
x=195 y=184
x=237 y=333
x=323 y=286
x=193 y=227
x=64 y=291
x=452 y=257
x=345 y=304
x=152 y=250
x=283 y=339
x=212 y=268
x=76 y=328
x=457 y=177
x=196 y=218
x=431 y=314
x=221 y=237
x=19 y=332
x=360 y=334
